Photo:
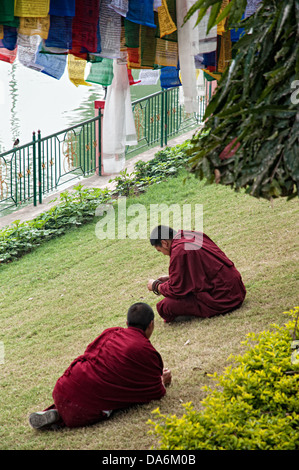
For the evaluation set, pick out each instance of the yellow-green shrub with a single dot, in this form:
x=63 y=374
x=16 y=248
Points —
x=255 y=404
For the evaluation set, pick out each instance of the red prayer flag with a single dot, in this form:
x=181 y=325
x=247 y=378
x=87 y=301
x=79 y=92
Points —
x=8 y=56
x=131 y=78
x=85 y=26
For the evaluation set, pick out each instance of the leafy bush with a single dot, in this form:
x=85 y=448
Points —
x=74 y=209
x=166 y=163
x=255 y=406
x=78 y=207
x=254 y=106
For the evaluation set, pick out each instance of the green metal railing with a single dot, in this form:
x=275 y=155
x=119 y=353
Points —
x=161 y=116
x=66 y=155
x=16 y=169
x=30 y=171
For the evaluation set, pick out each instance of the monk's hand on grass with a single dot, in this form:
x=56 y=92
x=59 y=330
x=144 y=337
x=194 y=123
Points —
x=166 y=377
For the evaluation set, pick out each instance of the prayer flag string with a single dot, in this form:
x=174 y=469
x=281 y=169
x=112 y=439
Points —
x=52 y=36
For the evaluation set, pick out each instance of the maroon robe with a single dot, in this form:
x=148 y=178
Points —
x=118 y=369
x=202 y=281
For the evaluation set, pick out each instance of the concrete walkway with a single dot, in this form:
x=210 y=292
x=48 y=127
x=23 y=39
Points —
x=29 y=212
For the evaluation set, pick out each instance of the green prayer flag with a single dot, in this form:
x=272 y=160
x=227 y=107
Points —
x=101 y=72
x=7 y=16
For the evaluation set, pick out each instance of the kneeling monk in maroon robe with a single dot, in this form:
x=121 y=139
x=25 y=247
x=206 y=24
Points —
x=118 y=369
x=202 y=281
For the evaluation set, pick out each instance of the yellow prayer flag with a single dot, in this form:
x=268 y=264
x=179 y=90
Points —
x=32 y=8
x=166 y=53
x=32 y=26
x=76 y=70
x=166 y=24
x=215 y=76
x=221 y=25
x=225 y=53
x=1 y=32
x=123 y=46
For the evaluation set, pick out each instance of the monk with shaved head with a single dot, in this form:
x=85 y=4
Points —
x=202 y=281
x=118 y=369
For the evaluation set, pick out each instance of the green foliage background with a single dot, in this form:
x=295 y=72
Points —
x=255 y=103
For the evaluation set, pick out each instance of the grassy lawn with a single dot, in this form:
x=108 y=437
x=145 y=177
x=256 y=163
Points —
x=57 y=299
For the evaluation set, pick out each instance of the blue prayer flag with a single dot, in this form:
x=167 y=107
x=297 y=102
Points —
x=169 y=77
x=9 y=40
x=62 y=7
x=53 y=64
x=141 y=12
x=60 y=32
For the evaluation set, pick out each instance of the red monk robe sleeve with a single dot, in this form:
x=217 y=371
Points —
x=180 y=282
